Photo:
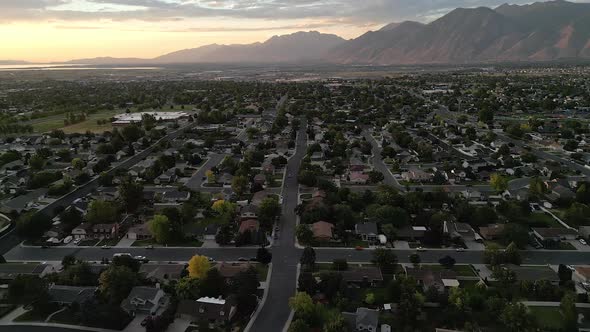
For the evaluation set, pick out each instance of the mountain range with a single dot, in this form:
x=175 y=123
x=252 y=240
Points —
x=542 y=31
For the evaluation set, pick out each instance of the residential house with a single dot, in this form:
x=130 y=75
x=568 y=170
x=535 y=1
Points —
x=534 y=273
x=248 y=212
x=363 y=320
x=416 y=175
x=491 y=232
x=82 y=231
x=162 y=272
x=251 y=225
x=145 y=300
x=363 y=276
x=67 y=295
x=554 y=234
x=367 y=231
x=215 y=311
x=176 y=196
x=428 y=278
x=105 y=231
x=322 y=231
x=411 y=233
x=139 y=232
x=359 y=178
x=582 y=273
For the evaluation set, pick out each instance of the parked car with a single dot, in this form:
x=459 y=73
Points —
x=421 y=249
x=582 y=241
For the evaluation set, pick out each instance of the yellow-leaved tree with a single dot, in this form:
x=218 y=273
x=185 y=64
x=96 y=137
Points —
x=198 y=266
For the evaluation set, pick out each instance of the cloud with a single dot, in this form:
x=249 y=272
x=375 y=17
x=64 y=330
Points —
x=359 y=12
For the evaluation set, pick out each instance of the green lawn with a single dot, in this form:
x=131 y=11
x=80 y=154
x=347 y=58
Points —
x=151 y=242
x=543 y=220
x=548 y=317
x=262 y=271
x=89 y=242
x=461 y=269
x=4 y=309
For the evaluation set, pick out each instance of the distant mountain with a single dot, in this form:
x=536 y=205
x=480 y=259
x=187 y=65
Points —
x=109 y=61
x=540 y=31
x=296 y=47
x=12 y=62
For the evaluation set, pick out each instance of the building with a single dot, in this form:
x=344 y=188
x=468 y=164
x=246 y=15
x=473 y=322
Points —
x=428 y=278
x=215 y=311
x=162 y=272
x=322 y=231
x=139 y=232
x=554 y=234
x=67 y=295
x=364 y=319
x=145 y=300
x=131 y=118
x=491 y=232
x=363 y=276
x=251 y=225
x=367 y=231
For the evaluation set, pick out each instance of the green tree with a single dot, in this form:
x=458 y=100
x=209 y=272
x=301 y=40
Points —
x=102 y=212
x=36 y=162
x=116 y=282
x=213 y=284
x=304 y=234
x=308 y=257
x=415 y=259
x=569 y=312
x=78 y=163
x=132 y=195
x=188 y=288
x=512 y=254
x=299 y=325
x=263 y=256
x=32 y=225
x=302 y=303
x=537 y=187
x=161 y=229
x=25 y=289
x=385 y=259
x=498 y=182
x=517 y=318
x=239 y=184
x=268 y=210
x=307 y=283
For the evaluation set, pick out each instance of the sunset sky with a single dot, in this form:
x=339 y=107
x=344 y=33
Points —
x=56 y=30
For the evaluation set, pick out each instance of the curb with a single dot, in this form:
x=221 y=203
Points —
x=292 y=314
x=262 y=302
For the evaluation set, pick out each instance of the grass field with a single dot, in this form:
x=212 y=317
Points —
x=548 y=317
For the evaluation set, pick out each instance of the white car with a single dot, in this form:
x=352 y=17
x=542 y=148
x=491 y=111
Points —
x=421 y=249
x=582 y=241
x=77 y=241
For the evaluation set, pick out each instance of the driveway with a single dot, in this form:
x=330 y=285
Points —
x=125 y=242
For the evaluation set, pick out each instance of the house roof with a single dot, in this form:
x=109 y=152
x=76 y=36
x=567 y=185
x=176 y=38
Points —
x=583 y=270
x=491 y=231
x=366 y=228
x=358 y=274
x=207 y=308
x=249 y=225
x=229 y=270
x=553 y=232
x=322 y=229
x=71 y=294
x=162 y=271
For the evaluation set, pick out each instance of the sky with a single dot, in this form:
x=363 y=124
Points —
x=58 y=30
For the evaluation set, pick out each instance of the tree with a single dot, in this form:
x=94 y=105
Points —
x=68 y=261
x=565 y=274
x=447 y=262
x=116 y=282
x=239 y=184
x=25 y=289
x=32 y=225
x=492 y=255
x=308 y=257
x=211 y=178
x=339 y=264
x=188 y=288
x=78 y=163
x=569 y=312
x=161 y=229
x=389 y=231
x=263 y=256
x=577 y=214
x=198 y=266
x=224 y=236
x=517 y=318
x=307 y=283
x=336 y=324
x=415 y=259
x=512 y=255
x=132 y=194
x=385 y=259
x=223 y=207
x=132 y=133
x=515 y=233
x=486 y=115
x=36 y=162
x=102 y=212
x=302 y=303
x=245 y=285
x=537 y=187
x=304 y=234
x=213 y=284
x=498 y=182
x=299 y=325
x=268 y=210
x=376 y=177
